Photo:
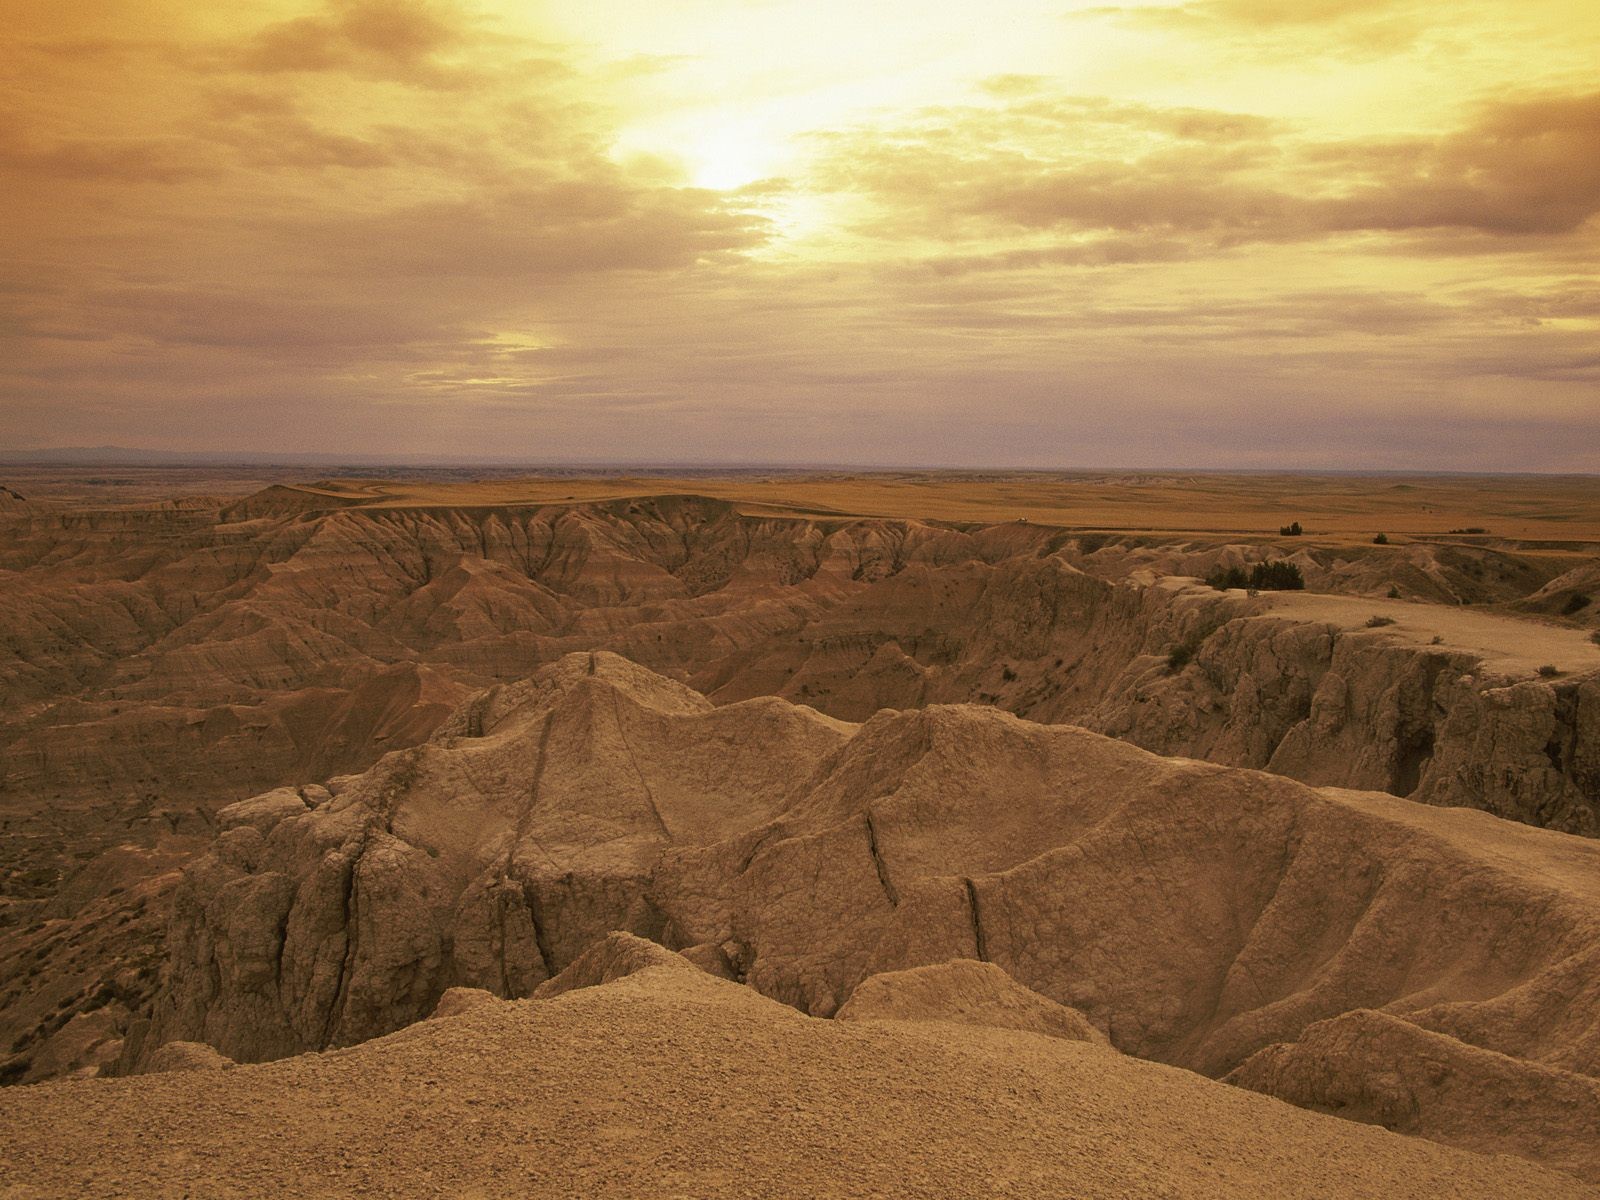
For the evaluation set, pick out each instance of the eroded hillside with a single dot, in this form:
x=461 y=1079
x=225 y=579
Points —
x=161 y=661
x=1208 y=917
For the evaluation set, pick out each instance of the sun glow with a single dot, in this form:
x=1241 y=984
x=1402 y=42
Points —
x=729 y=157
x=986 y=227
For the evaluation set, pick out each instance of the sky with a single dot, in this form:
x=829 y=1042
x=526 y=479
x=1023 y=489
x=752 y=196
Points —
x=1340 y=234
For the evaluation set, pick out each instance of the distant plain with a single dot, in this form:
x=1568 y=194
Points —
x=1558 y=509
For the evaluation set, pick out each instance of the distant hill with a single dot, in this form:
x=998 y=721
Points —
x=128 y=456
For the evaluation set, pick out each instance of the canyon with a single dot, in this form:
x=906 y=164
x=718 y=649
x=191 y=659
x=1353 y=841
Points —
x=284 y=769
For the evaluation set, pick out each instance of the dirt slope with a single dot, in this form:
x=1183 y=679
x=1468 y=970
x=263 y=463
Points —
x=668 y=1082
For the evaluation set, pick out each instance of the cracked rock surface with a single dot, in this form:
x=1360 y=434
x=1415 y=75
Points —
x=1198 y=915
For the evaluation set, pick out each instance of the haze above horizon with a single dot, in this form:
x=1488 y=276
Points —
x=1237 y=234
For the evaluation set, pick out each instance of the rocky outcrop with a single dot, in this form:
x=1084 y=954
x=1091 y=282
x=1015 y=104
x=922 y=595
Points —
x=1573 y=594
x=160 y=664
x=613 y=957
x=491 y=857
x=458 y=1000
x=1369 y=1066
x=186 y=1056
x=1447 y=570
x=1196 y=914
x=967 y=992
x=1323 y=701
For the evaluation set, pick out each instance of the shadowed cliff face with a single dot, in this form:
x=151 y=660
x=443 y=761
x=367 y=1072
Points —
x=161 y=663
x=1194 y=914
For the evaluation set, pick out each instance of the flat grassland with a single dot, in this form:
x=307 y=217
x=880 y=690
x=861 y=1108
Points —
x=1560 y=510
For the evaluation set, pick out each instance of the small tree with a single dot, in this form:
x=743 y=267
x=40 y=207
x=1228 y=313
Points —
x=1290 y=530
x=1381 y=540
x=1279 y=575
x=1231 y=577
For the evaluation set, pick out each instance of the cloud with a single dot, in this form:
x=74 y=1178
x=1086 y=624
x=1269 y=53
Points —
x=1519 y=167
x=401 y=40
x=117 y=159
x=1525 y=166
x=407 y=227
x=1348 y=29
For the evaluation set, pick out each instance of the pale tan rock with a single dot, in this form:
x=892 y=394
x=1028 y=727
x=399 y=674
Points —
x=613 y=957
x=491 y=857
x=458 y=1000
x=969 y=993
x=1369 y=1066
x=262 y=812
x=581 y=823
x=186 y=1056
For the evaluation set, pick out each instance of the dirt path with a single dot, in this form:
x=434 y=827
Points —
x=1509 y=645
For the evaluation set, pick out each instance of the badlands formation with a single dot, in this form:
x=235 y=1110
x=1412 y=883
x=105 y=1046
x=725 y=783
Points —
x=437 y=841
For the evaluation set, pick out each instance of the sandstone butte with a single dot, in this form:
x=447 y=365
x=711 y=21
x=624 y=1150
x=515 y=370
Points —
x=290 y=775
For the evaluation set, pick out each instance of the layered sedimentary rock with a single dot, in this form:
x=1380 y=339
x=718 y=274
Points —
x=1197 y=914
x=160 y=663
x=163 y=657
x=491 y=856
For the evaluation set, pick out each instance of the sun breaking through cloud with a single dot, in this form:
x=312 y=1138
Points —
x=1342 y=233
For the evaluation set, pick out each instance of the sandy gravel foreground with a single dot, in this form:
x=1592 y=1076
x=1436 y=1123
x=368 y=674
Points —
x=670 y=1084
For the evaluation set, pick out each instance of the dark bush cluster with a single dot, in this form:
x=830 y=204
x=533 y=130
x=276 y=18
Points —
x=1278 y=575
x=1182 y=654
x=1290 y=530
x=1381 y=540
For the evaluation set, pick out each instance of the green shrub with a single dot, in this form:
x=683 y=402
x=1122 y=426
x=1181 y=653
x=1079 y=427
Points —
x=1232 y=577
x=1279 y=575
x=1381 y=540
